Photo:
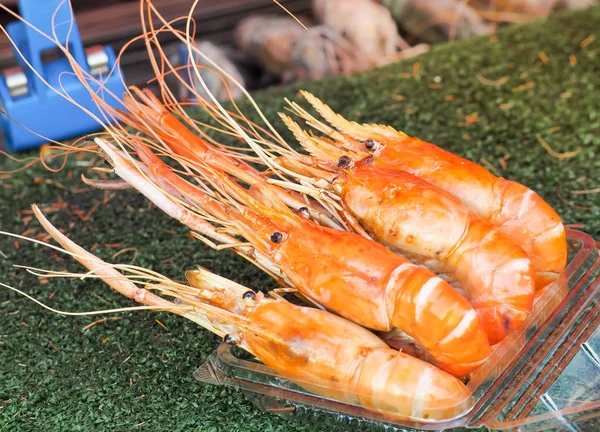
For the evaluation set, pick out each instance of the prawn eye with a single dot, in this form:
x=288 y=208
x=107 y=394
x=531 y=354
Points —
x=344 y=162
x=228 y=339
x=249 y=295
x=276 y=237
x=303 y=211
x=370 y=144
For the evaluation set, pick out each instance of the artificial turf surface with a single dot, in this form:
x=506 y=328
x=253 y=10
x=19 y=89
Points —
x=482 y=98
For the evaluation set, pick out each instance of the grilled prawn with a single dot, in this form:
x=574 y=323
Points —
x=398 y=209
x=517 y=210
x=321 y=352
x=345 y=272
x=430 y=226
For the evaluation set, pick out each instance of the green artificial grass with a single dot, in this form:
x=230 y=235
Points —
x=133 y=373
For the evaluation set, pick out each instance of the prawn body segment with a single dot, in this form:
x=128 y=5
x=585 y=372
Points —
x=451 y=334
x=342 y=271
x=401 y=209
x=425 y=389
x=444 y=170
x=412 y=216
x=524 y=214
x=498 y=277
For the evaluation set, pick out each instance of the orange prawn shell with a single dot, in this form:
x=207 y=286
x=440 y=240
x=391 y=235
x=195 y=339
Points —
x=448 y=321
x=352 y=364
x=310 y=256
x=521 y=213
x=380 y=290
x=413 y=216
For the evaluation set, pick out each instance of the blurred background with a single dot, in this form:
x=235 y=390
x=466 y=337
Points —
x=260 y=45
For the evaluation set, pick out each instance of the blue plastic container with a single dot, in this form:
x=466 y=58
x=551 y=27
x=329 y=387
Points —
x=33 y=112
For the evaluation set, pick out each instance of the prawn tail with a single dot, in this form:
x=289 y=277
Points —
x=500 y=320
x=544 y=279
x=455 y=340
x=530 y=220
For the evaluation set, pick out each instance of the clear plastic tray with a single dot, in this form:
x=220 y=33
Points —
x=544 y=376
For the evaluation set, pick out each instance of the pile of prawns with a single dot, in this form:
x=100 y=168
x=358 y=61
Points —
x=414 y=262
